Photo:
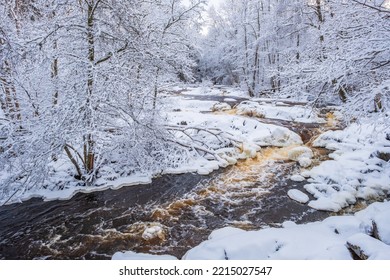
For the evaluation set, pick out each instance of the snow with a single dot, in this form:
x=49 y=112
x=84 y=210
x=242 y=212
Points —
x=297 y=178
x=383 y=226
x=225 y=232
x=355 y=170
x=300 y=152
x=370 y=247
x=297 y=113
x=68 y=193
x=221 y=107
x=155 y=231
x=302 y=155
x=324 y=240
x=298 y=196
x=208 y=89
x=305 y=162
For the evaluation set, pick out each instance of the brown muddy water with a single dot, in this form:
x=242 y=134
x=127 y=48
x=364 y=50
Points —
x=184 y=208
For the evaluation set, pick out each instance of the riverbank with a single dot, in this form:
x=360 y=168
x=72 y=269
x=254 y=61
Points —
x=265 y=167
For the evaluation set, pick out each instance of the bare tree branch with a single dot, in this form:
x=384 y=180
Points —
x=379 y=9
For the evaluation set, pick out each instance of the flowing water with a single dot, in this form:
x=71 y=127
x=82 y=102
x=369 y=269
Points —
x=178 y=211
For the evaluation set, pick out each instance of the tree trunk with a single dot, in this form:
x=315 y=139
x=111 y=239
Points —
x=54 y=75
x=298 y=45
x=156 y=88
x=89 y=155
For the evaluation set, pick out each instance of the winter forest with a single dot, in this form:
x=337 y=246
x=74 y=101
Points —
x=194 y=129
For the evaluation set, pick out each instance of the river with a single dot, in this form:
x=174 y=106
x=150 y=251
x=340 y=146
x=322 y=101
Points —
x=250 y=195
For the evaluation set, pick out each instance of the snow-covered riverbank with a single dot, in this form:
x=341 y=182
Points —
x=359 y=167
x=332 y=239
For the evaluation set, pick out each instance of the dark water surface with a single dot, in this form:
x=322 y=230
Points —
x=95 y=226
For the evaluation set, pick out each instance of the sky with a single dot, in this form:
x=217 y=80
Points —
x=215 y=2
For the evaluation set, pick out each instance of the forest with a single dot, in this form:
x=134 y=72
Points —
x=103 y=95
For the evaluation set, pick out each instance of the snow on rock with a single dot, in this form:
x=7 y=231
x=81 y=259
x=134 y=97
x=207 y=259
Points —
x=221 y=106
x=314 y=241
x=319 y=240
x=297 y=178
x=225 y=232
x=358 y=168
x=302 y=155
x=252 y=109
x=368 y=248
x=382 y=226
x=279 y=111
x=153 y=232
x=277 y=137
x=305 y=162
x=300 y=152
x=346 y=225
x=288 y=224
x=209 y=89
x=325 y=204
x=298 y=196
x=140 y=256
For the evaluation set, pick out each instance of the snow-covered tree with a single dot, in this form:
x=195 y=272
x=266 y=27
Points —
x=78 y=86
x=347 y=55
x=248 y=41
x=331 y=50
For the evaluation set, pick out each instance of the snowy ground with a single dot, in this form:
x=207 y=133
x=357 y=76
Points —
x=367 y=234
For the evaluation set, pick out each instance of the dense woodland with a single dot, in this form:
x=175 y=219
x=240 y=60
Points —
x=325 y=49
x=80 y=79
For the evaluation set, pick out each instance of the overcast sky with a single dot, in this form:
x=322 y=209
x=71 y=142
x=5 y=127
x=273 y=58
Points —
x=215 y=2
